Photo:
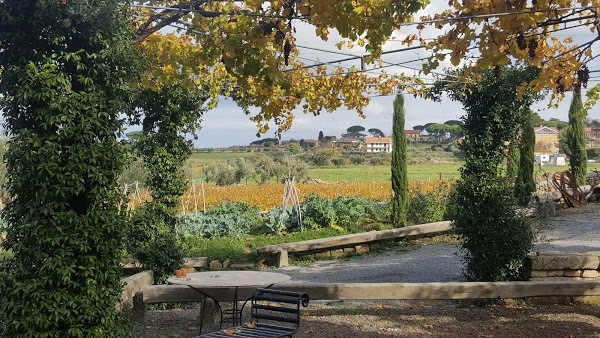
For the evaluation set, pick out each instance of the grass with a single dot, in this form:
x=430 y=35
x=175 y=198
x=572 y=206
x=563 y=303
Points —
x=382 y=173
x=244 y=248
x=378 y=173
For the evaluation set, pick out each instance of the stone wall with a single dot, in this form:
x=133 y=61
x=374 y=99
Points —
x=563 y=266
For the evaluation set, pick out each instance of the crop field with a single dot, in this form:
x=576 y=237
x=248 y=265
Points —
x=269 y=195
x=382 y=173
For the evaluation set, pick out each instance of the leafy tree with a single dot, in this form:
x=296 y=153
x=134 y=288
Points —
x=294 y=148
x=400 y=199
x=437 y=129
x=575 y=133
x=244 y=170
x=419 y=127
x=536 y=120
x=427 y=125
x=264 y=141
x=501 y=39
x=493 y=237
x=321 y=136
x=455 y=130
x=453 y=123
x=65 y=70
x=555 y=123
x=264 y=166
x=247 y=50
x=355 y=129
x=222 y=173
x=376 y=132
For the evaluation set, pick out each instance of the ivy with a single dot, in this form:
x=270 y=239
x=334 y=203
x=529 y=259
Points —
x=63 y=87
x=166 y=116
x=493 y=238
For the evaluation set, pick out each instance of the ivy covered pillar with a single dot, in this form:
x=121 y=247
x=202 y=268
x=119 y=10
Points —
x=63 y=87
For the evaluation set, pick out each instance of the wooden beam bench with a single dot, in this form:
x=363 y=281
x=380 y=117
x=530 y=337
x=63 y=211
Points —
x=279 y=252
x=393 y=291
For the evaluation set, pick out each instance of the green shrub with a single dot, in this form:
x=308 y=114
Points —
x=353 y=211
x=211 y=225
x=219 y=248
x=341 y=213
x=275 y=223
x=243 y=209
x=593 y=153
x=152 y=241
x=426 y=208
x=317 y=212
x=492 y=236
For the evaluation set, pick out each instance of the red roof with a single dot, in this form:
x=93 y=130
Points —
x=417 y=132
x=369 y=139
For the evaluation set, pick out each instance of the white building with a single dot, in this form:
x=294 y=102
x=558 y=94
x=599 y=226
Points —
x=378 y=144
x=542 y=158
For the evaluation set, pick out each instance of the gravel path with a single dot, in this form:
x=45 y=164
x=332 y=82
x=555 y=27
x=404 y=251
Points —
x=572 y=230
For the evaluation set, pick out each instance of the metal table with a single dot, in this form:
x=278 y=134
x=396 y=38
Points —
x=203 y=282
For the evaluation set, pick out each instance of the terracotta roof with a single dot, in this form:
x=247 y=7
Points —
x=544 y=127
x=370 y=139
x=412 y=132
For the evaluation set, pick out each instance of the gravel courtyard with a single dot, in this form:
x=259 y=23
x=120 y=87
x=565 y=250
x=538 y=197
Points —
x=571 y=230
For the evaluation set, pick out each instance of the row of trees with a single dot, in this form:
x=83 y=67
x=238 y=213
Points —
x=259 y=169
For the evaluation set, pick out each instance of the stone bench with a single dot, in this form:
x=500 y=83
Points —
x=279 y=252
x=563 y=266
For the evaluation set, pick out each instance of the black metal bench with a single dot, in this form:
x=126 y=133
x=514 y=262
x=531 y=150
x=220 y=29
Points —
x=274 y=313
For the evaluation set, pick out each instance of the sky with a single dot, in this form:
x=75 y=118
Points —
x=227 y=125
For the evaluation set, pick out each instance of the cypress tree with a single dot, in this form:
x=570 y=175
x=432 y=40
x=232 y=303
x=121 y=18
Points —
x=524 y=185
x=512 y=159
x=576 y=138
x=399 y=176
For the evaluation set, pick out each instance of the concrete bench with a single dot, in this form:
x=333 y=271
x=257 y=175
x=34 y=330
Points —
x=279 y=252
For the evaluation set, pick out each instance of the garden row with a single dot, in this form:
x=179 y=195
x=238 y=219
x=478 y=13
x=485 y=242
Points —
x=233 y=230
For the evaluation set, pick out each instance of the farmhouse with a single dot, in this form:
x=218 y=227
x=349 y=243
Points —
x=546 y=140
x=378 y=144
x=412 y=135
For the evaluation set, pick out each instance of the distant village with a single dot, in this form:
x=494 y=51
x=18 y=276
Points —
x=547 y=140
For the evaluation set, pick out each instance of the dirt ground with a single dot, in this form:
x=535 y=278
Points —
x=338 y=319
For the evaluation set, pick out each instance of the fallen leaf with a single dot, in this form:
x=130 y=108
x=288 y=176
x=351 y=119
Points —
x=231 y=332
x=250 y=325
